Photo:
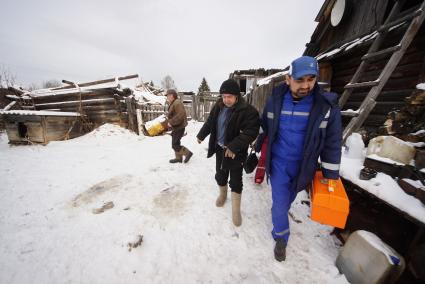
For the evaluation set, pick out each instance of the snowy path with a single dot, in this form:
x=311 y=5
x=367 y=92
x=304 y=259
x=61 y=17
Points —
x=49 y=234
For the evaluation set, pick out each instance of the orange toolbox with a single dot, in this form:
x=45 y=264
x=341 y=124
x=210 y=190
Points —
x=329 y=202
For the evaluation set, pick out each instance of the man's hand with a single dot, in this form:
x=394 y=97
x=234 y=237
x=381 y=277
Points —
x=199 y=140
x=229 y=154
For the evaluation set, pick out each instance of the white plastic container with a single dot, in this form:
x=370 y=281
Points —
x=365 y=258
x=354 y=146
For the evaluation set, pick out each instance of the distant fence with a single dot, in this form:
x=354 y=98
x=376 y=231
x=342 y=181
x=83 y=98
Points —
x=150 y=112
x=202 y=105
x=197 y=108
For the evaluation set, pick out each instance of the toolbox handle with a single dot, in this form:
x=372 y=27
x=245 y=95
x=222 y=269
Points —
x=330 y=182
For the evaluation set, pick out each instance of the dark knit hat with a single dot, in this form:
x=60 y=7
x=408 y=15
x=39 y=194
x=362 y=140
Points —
x=230 y=86
x=171 y=92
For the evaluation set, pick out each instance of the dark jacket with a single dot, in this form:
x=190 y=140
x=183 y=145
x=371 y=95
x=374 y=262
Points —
x=177 y=117
x=242 y=129
x=323 y=137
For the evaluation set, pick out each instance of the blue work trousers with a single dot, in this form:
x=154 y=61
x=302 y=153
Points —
x=282 y=179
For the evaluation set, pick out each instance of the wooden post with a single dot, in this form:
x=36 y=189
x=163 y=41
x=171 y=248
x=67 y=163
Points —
x=44 y=127
x=131 y=110
x=194 y=105
x=139 y=121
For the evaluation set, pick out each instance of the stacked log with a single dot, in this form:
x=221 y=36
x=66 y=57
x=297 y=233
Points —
x=4 y=102
x=409 y=119
x=408 y=124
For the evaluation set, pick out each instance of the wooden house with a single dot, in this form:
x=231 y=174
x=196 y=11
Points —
x=248 y=78
x=371 y=52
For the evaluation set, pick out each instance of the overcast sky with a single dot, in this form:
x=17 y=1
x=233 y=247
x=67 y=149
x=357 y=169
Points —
x=189 y=39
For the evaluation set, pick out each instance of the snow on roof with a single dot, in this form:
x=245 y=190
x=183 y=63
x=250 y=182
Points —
x=349 y=45
x=40 y=112
x=361 y=40
x=420 y=86
x=141 y=94
x=52 y=91
x=267 y=80
x=327 y=54
x=75 y=102
x=382 y=186
x=144 y=95
x=422 y=131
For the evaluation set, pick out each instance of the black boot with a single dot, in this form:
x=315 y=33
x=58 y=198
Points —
x=280 y=250
x=178 y=158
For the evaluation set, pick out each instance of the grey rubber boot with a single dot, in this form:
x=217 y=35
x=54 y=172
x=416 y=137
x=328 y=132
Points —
x=236 y=209
x=222 y=197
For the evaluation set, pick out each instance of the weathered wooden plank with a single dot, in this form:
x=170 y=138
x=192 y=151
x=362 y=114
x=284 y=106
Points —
x=101 y=94
x=72 y=85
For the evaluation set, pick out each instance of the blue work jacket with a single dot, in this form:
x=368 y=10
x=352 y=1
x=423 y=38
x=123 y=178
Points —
x=323 y=136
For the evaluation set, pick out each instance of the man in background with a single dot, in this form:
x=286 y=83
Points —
x=177 y=121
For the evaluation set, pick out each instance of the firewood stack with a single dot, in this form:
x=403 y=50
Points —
x=409 y=120
x=408 y=124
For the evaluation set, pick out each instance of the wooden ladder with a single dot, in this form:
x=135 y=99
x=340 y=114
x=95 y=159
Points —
x=416 y=18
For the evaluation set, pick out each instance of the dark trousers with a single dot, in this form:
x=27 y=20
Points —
x=221 y=176
x=176 y=136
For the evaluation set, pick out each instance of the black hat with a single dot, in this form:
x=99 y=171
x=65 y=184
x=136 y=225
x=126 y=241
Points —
x=230 y=86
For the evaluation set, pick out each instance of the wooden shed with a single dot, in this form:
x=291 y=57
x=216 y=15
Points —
x=248 y=78
x=43 y=115
x=371 y=52
x=25 y=127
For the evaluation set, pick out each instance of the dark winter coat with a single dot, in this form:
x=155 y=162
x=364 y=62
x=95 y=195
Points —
x=241 y=131
x=323 y=137
x=177 y=117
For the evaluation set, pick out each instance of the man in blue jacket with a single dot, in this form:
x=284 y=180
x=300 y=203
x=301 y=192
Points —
x=302 y=123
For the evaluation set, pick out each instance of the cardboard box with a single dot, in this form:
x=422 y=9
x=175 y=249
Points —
x=329 y=208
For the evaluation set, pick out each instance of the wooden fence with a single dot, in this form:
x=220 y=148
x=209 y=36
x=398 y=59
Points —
x=197 y=108
x=258 y=96
x=202 y=105
x=150 y=112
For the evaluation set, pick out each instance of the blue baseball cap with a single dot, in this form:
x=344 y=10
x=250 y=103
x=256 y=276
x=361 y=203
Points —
x=304 y=65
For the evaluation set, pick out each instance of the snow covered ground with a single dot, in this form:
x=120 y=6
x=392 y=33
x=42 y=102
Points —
x=50 y=234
